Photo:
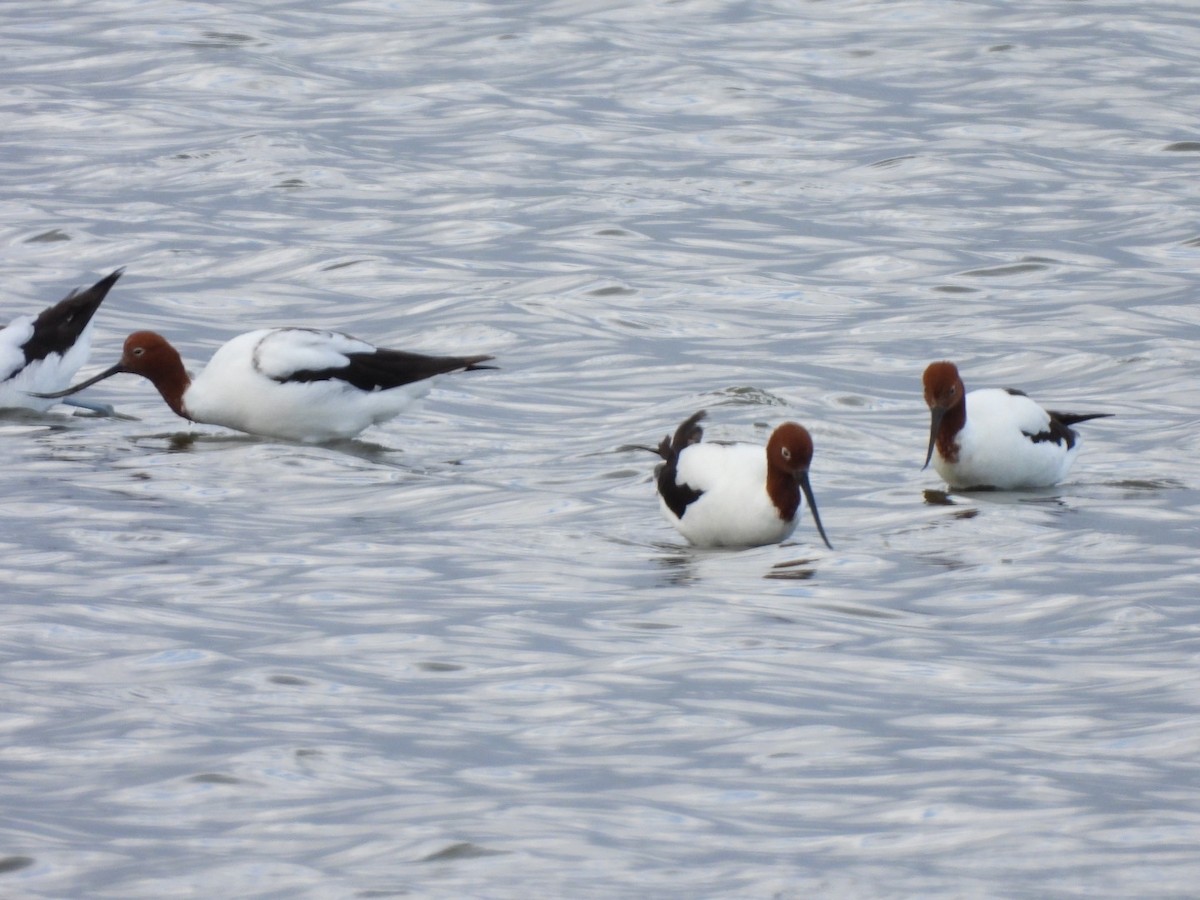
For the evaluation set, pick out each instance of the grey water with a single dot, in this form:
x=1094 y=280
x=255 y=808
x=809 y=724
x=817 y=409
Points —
x=464 y=656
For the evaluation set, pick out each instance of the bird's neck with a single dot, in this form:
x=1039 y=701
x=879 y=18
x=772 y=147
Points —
x=952 y=423
x=172 y=384
x=784 y=493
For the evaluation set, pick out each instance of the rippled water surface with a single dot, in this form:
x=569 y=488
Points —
x=464 y=656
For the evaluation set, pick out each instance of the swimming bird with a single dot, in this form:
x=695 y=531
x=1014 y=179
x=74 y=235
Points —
x=995 y=438
x=297 y=384
x=44 y=353
x=733 y=494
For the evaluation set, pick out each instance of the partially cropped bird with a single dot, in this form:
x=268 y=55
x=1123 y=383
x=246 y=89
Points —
x=43 y=353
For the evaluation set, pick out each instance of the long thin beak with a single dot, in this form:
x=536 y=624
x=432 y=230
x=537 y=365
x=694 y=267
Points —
x=936 y=413
x=67 y=392
x=812 y=504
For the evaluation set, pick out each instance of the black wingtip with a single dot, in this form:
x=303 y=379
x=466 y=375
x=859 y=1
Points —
x=672 y=445
x=109 y=280
x=1075 y=418
x=58 y=327
x=475 y=363
x=92 y=296
x=689 y=432
x=384 y=369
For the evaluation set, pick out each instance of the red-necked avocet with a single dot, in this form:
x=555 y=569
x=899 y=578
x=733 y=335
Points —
x=995 y=438
x=297 y=384
x=733 y=494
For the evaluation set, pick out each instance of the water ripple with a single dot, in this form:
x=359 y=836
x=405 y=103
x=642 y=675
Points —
x=464 y=654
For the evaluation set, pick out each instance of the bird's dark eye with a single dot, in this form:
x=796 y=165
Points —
x=787 y=454
x=138 y=351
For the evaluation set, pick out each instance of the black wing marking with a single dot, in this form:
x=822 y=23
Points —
x=386 y=369
x=58 y=327
x=1060 y=431
x=678 y=496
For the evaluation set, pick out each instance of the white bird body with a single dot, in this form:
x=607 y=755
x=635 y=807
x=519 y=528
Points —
x=734 y=509
x=297 y=384
x=995 y=448
x=996 y=438
x=249 y=385
x=735 y=495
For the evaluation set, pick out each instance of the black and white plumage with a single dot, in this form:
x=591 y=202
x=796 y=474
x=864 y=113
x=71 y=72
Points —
x=996 y=437
x=41 y=354
x=293 y=383
x=732 y=494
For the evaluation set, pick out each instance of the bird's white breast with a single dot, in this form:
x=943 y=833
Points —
x=734 y=508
